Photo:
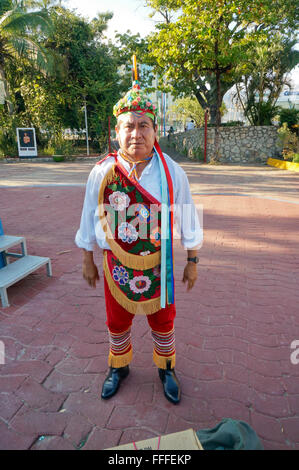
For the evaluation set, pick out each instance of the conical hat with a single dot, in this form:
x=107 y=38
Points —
x=135 y=100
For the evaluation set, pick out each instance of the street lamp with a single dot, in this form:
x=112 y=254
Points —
x=86 y=126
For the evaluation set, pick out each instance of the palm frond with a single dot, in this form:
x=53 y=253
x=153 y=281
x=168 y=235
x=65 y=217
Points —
x=18 y=20
x=5 y=17
x=5 y=5
x=5 y=52
x=33 y=52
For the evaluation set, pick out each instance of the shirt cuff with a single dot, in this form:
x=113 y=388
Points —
x=194 y=243
x=88 y=246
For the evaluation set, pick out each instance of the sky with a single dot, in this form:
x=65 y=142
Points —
x=129 y=14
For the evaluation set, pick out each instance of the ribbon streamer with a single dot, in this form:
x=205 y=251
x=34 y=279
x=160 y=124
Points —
x=167 y=278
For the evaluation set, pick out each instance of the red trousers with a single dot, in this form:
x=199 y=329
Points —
x=119 y=322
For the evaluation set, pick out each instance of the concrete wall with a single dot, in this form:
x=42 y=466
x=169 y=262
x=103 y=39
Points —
x=237 y=144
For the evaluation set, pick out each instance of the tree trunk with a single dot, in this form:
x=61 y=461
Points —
x=6 y=92
x=209 y=98
x=217 y=118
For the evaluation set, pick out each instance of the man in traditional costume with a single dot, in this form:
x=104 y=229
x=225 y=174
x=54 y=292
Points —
x=132 y=197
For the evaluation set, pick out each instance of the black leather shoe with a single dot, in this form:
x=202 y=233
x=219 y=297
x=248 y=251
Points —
x=112 y=382
x=171 y=385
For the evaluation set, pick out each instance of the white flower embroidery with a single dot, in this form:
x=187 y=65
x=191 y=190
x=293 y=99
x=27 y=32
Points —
x=145 y=253
x=119 y=200
x=140 y=284
x=127 y=232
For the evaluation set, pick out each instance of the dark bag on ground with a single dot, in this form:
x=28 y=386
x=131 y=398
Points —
x=229 y=434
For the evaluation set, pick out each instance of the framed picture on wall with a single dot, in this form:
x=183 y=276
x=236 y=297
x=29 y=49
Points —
x=26 y=142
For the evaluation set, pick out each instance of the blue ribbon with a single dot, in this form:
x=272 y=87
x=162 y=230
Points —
x=167 y=281
x=169 y=262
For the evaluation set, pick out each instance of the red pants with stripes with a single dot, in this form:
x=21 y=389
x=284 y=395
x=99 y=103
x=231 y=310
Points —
x=119 y=322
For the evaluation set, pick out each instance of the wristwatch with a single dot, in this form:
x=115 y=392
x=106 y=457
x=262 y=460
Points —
x=194 y=260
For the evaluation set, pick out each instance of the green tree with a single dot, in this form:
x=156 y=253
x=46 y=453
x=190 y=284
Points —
x=188 y=108
x=264 y=76
x=201 y=49
x=91 y=71
x=17 y=40
x=126 y=45
x=89 y=75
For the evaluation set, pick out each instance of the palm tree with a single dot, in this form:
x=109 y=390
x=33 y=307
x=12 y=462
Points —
x=19 y=32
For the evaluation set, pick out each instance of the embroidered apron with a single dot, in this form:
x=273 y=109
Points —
x=131 y=220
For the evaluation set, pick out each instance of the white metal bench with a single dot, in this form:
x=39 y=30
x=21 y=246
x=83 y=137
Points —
x=17 y=270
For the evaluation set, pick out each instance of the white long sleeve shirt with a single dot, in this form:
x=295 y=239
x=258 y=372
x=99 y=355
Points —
x=188 y=228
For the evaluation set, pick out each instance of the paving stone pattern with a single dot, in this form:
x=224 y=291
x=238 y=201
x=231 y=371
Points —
x=233 y=330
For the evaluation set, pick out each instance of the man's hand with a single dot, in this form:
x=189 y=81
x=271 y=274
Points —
x=89 y=269
x=190 y=274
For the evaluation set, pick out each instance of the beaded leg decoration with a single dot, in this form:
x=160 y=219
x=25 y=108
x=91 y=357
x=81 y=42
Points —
x=121 y=352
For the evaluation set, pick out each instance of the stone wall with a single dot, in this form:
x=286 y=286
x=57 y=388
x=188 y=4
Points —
x=237 y=144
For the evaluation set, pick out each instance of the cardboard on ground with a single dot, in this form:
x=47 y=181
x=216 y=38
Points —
x=184 y=440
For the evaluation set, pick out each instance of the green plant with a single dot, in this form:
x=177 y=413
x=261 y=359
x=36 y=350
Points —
x=261 y=113
x=58 y=158
x=60 y=145
x=289 y=142
x=296 y=158
x=289 y=116
x=8 y=145
x=48 y=150
x=198 y=153
x=8 y=136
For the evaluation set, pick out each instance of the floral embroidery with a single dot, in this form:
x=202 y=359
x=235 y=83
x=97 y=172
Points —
x=119 y=200
x=140 y=284
x=145 y=253
x=136 y=230
x=143 y=213
x=120 y=275
x=127 y=233
x=155 y=236
x=137 y=285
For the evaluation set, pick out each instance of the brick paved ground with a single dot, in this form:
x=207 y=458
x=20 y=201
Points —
x=233 y=331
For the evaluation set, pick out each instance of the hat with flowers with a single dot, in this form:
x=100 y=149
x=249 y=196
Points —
x=135 y=100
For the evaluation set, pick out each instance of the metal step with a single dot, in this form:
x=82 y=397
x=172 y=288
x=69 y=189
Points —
x=19 y=269
x=7 y=241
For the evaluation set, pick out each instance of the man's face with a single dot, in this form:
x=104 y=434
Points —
x=136 y=135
